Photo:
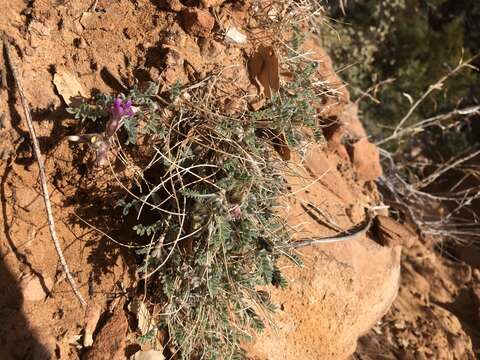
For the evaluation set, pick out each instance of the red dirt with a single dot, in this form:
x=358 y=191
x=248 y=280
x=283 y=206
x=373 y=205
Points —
x=121 y=43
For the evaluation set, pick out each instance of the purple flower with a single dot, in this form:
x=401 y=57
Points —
x=119 y=110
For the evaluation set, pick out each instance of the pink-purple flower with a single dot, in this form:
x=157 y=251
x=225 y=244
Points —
x=101 y=142
x=119 y=110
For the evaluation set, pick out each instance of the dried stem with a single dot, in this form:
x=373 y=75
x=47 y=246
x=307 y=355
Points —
x=437 y=86
x=43 y=179
x=358 y=232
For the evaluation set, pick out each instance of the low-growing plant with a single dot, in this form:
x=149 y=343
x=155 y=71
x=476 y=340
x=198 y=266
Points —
x=206 y=206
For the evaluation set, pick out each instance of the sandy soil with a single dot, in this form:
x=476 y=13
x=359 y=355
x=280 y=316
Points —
x=120 y=43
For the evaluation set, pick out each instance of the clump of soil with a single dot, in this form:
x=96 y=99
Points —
x=436 y=313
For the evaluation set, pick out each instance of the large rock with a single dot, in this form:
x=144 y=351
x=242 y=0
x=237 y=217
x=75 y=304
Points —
x=337 y=297
x=345 y=125
x=344 y=288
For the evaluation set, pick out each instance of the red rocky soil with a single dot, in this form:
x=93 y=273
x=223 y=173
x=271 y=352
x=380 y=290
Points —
x=340 y=294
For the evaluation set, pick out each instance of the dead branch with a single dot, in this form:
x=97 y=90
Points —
x=360 y=231
x=43 y=179
x=431 y=121
x=437 y=86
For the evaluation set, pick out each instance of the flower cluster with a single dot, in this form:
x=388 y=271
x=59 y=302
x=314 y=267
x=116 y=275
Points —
x=119 y=110
x=101 y=142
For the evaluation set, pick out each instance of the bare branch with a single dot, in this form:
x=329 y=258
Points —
x=43 y=178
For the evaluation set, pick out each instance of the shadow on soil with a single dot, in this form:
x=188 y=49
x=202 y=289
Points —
x=17 y=340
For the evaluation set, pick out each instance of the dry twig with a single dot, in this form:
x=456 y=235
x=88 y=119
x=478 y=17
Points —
x=360 y=231
x=43 y=179
x=437 y=86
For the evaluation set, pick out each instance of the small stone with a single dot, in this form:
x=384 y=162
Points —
x=234 y=35
x=39 y=28
x=257 y=104
x=154 y=73
x=175 y=5
x=92 y=316
x=91 y=21
x=33 y=289
x=197 y=22
x=212 y=3
x=476 y=274
x=80 y=43
x=148 y=355
x=366 y=160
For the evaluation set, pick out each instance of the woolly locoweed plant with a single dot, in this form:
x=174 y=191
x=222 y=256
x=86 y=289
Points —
x=204 y=194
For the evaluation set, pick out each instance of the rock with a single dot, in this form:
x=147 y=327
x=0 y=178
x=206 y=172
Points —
x=366 y=160
x=35 y=289
x=257 y=104
x=343 y=289
x=175 y=5
x=392 y=233
x=211 y=3
x=148 y=355
x=235 y=36
x=39 y=28
x=338 y=296
x=68 y=86
x=197 y=22
x=110 y=342
x=475 y=294
x=91 y=20
x=92 y=316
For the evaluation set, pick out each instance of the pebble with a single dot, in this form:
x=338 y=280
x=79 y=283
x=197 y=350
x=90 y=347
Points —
x=32 y=289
